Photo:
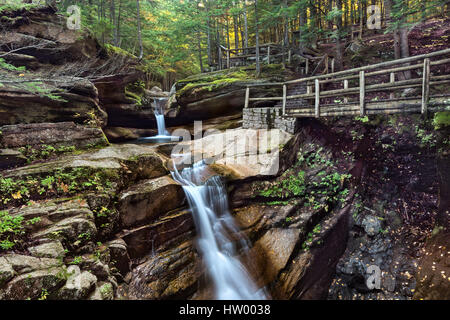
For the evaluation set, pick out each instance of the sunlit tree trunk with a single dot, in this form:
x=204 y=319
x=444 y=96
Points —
x=245 y=26
x=141 y=48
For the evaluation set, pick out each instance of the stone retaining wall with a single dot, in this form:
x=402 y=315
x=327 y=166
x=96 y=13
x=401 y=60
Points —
x=267 y=118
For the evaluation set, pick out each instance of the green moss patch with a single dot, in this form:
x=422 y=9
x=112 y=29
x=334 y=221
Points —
x=220 y=79
x=441 y=119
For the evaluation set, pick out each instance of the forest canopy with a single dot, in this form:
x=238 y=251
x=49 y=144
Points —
x=182 y=36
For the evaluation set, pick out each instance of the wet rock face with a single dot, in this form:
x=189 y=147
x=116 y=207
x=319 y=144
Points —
x=148 y=199
x=297 y=220
x=54 y=134
x=170 y=274
x=18 y=106
x=219 y=93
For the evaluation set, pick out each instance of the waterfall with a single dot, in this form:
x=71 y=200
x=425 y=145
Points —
x=159 y=115
x=163 y=135
x=209 y=204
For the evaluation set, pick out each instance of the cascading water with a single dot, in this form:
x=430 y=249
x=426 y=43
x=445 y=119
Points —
x=159 y=115
x=163 y=135
x=209 y=204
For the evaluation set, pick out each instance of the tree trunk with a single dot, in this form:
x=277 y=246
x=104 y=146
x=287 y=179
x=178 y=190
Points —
x=199 y=46
x=112 y=13
x=208 y=30
x=228 y=31
x=258 y=67
x=286 y=32
x=245 y=26
x=404 y=48
x=141 y=48
x=339 y=53
x=118 y=23
x=236 y=31
x=302 y=22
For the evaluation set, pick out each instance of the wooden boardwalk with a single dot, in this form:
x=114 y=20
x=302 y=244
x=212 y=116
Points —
x=374 y=89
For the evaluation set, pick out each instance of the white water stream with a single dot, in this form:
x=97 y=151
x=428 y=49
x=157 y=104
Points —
x=209 y=204
x=159 y=115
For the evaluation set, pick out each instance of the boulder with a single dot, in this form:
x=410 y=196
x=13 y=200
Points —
x=274 y=249
x=18 y=106
x=119 y=255
x=222 y=92
x=172 y=274
x=24 y=264
x=238 y=153
x=149 y=199
x=166 y=232
x=146 y=162
x=24 y=276
x=53 y=249
x=68 y=221
x=33 y=284
x=11 y=158
x=122 y=134
x=78 y=285
x=103 y=291
x=6 y=272
x=54 y=134
x=371 y=225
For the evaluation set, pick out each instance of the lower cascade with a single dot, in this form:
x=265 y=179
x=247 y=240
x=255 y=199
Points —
x=214 y=223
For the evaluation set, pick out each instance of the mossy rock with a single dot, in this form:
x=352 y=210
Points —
x=441 y=119
x=213 y=81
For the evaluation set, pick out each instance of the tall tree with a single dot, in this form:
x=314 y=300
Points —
x=139 y=32
x=258 y=67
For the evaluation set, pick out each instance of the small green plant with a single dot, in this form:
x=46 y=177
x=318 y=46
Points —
x=310 y=236
x=11 y=228
x=44 y=294
x=356 y=136
x=364 y=119
x=76 y=260
x=427 y=140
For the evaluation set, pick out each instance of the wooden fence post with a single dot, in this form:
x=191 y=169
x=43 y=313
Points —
x=345 y=87
x=268 y=54
x=220 y=58
x=228 y=59
x=284 y=99
x=307 y=67
x=392 y=80
x=425 y=84
x=317 y=101
x=362 y=93
x=289 y=56
x=247 y=96
x=332 y=65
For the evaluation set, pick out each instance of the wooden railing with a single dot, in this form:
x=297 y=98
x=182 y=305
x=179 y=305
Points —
x=271 y=52
x=266 y=51
x=359 y=94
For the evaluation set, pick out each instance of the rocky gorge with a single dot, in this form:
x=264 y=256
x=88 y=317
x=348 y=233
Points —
x=88 y=213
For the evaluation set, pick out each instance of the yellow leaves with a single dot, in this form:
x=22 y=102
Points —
x=22 y=75
x=17 y=195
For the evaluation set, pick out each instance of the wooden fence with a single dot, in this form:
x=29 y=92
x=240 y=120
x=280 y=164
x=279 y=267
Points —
x=354 y=99
x=268 y=52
